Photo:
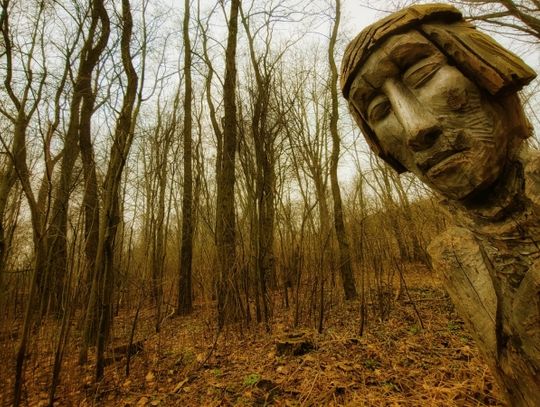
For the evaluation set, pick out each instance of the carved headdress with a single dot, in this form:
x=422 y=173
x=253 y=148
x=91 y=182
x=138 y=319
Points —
x=479 y=57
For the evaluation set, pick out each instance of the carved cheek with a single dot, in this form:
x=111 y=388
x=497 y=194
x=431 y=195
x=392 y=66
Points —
x=446 y=92
x=456 y=90
x=393 y=140
x=456 y=98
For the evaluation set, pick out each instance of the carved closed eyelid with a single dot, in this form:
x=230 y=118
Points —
x=378 y=108
x=422 y=72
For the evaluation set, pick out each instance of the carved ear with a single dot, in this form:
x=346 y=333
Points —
x=519 y=126
x=516 y=114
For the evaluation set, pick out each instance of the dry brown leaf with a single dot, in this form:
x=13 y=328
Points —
x=344 y=366
x=179 y=385
x=143 y=401
x=150 y=377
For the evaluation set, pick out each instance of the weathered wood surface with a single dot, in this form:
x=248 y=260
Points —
x=436 y=97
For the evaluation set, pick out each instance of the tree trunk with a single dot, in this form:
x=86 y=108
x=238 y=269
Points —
x=7 y=180
x=185 y=300
x=102 y=287
x=263 y=132
x=90 y=197
x=25 y=106
x=53 y=280
x=228 y=306
x=345 y=268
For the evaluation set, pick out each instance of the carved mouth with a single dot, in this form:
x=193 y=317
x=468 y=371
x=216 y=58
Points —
x=438 y=159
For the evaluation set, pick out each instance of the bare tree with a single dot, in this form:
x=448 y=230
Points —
x=518 y=16
x=101 y=298
x=155 y=153
x=91 y=191
x=81 y=110
x=228 y=306
x=265 y=126
x=308 y=131
x=25 y=101
x=347 y=276
x=185 y=295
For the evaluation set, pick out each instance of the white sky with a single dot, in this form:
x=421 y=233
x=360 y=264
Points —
x=356 y=14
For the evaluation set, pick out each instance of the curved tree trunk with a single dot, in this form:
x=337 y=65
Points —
x=81 y=107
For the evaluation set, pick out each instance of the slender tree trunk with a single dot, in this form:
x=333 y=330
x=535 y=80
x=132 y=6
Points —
x=265 y=255
x=110 y=216
x=19 y=160
x=53 y=282
x=345 y=267
x=91 y=198
x=159 y=222
x=8 y=176
x=24 y=111
x=19 y=156
x=228 y=306
x=7 y=181
x=185 y=300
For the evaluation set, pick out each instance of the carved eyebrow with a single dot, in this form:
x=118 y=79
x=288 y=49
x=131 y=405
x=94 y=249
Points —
x=406 y=54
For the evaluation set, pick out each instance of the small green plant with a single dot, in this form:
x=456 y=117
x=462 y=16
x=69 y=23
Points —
x=252 y=379
x=413 y=330
x=389 y=385
x=454 y=327
x=371 y=364
x=217 y=372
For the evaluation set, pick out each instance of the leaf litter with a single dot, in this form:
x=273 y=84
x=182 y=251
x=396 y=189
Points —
x=395 y=362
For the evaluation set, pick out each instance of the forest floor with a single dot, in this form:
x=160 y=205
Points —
x=395 y=363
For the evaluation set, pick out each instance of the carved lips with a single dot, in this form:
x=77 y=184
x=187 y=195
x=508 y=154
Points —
x=436 y=162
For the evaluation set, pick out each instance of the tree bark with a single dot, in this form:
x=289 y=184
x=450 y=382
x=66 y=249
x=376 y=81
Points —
x=228 y=307
x=7 y=181
x=263 y=132
x=103 y=284
x=345 y=268
x=90 y=197
x=53 y=280
x=185 y=299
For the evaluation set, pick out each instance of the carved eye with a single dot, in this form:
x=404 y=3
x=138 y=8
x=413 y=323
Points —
x=378 y=109
x=420 y=75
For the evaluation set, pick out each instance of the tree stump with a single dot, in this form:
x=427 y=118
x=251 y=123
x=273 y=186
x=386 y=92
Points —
x=295 y=344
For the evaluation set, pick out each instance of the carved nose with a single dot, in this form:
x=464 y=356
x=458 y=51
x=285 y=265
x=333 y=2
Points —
x=423 y=137
x=420 y=126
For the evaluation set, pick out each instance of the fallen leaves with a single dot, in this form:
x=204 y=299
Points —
x=179 y=385
x=393 y=364
x=150 y=378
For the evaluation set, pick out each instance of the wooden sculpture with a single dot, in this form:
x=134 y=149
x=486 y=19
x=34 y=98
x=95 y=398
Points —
x=436 y=97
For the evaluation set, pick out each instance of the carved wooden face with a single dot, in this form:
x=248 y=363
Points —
x=428 y=116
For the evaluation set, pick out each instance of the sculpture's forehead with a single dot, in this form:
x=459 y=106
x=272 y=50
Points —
x=393 y=56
